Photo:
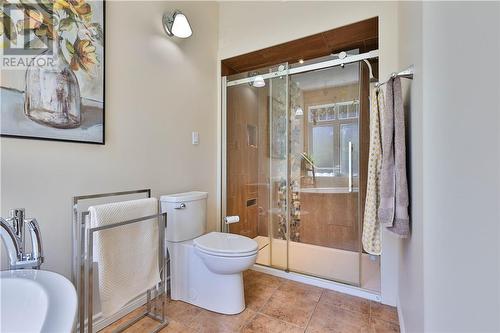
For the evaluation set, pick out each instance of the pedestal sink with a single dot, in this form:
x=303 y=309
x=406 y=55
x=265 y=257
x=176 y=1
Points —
x=36 y=301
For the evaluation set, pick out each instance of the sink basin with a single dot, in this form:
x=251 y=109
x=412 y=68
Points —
x=36 y=301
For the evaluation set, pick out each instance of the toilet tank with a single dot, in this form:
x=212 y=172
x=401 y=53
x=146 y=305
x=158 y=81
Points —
x=186 y=215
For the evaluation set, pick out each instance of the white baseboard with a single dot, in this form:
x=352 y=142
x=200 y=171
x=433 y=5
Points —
x=318 y=282
x=402 y=327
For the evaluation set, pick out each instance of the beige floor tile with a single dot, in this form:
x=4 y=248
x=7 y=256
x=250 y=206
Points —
x=299 y=290
x=330 y=318
x=144 y=325
x=264 y=324
x=256 y=297
x=277 y=305
x=211 y=322
x=384 y=312
x=176 y=327
x=289 y=307
x=180 y=311
x=346 y=302
x=259 y=288
x=382 y=326
x=252 y=278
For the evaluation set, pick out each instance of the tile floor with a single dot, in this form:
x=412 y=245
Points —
x=279 y=305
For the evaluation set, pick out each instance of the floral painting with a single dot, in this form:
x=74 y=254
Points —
x=52 y=84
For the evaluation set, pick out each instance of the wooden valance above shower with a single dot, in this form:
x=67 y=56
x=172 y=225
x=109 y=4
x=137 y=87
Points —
x=361 y=35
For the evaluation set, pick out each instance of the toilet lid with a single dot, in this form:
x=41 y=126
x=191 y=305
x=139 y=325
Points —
x=219 y=242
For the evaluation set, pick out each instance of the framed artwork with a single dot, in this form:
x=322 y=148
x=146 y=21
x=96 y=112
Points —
x=52 y=70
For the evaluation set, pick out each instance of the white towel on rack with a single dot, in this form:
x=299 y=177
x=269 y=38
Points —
x=127 y=256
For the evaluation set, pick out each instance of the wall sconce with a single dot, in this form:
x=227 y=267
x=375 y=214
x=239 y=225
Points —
x=176 y=24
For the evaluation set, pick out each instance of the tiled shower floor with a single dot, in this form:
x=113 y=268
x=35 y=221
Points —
x=279 y=305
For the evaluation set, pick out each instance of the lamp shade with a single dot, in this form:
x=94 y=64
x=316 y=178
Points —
x=177 y=25
x=181 y=27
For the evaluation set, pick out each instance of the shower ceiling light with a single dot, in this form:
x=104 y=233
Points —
x=177 y=24
x=299 y=112
x=259 y=82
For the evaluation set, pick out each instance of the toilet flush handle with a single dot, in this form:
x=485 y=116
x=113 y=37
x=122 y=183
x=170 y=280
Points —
x=181 y=206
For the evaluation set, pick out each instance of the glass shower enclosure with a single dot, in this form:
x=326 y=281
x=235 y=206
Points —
x=291 y=167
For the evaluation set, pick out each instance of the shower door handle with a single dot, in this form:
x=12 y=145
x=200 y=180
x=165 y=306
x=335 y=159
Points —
x=350 y=166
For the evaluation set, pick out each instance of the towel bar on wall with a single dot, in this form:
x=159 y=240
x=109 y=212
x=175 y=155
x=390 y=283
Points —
x=406 y=73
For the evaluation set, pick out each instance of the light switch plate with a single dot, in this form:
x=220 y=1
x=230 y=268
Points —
x=195 y=138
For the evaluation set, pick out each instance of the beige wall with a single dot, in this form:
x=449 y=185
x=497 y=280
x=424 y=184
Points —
x=449 y=277
x=158 y=90
x=249 y=26
x=411 y=275
x=461 y=173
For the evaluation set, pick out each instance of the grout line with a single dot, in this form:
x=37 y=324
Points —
x=286 y=322
x=258 y=312
x=370 y=313
x=270 y=297
x=315 y=307
x=382 y=319
x=246 y=323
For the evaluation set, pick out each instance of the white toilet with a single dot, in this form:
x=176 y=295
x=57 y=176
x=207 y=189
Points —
x=205 y=269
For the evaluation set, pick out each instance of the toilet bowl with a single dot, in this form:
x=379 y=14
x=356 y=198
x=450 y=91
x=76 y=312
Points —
x=224 y=253
x=205 y=268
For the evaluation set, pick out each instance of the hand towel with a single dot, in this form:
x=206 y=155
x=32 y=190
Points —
x=401 y=224
x=393 y=209
x=127 y=256
x=387 y=176
x=371 y=224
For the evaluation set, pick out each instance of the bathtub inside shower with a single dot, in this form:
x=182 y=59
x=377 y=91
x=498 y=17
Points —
x=320 y=261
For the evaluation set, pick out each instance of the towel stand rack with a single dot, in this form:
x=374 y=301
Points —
x=83 y=268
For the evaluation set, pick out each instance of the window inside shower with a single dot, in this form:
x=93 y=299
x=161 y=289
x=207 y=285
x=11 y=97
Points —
x=294 y=164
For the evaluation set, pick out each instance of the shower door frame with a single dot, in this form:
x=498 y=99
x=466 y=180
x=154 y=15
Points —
x=223 y=152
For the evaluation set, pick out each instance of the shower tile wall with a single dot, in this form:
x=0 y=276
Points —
x=247 y=168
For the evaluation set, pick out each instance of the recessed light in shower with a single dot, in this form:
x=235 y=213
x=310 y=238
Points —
x=259 y=82
x=299 y=112
x=177 y=24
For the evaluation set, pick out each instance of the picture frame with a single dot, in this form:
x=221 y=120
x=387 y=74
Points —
x=72 y=108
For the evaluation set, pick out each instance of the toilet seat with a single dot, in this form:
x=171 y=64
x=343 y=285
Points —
x=226 y=245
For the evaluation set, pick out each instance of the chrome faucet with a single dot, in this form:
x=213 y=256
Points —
x=12 y=232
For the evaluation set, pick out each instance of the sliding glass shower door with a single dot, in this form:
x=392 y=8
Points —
x=256 y=178
x=292 y=167
x=324 y=150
